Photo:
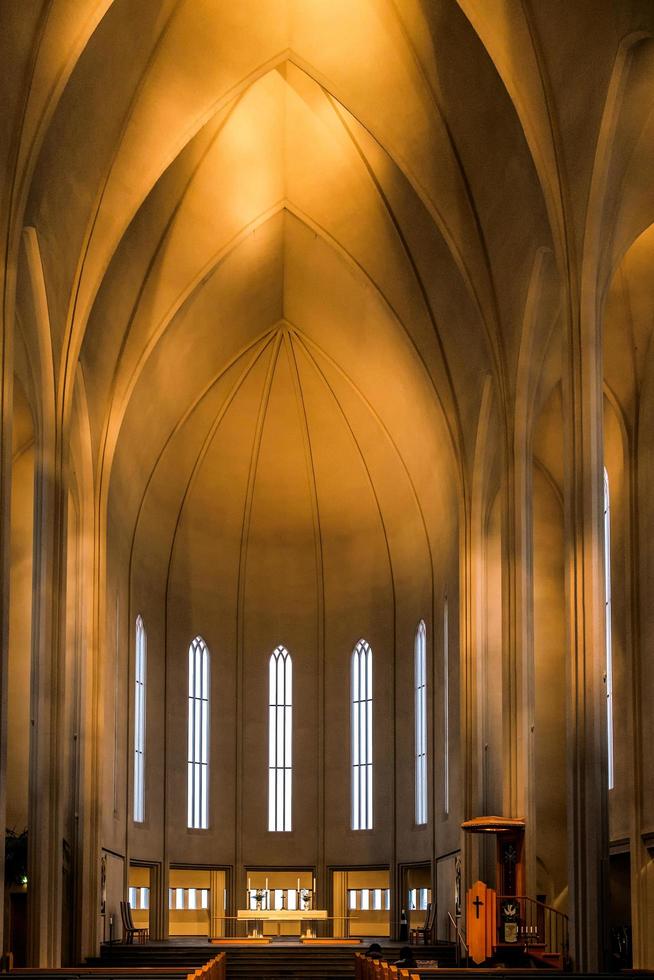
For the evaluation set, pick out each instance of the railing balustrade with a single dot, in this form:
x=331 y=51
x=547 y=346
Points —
x=462 y=952
x=536 y=924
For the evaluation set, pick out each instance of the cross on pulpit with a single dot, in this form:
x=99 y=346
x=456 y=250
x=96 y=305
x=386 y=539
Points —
x=481 y=921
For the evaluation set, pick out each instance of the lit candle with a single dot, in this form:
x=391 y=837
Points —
x=314 y=884
x=249 y=883
x=298 y=884
x=266 y=884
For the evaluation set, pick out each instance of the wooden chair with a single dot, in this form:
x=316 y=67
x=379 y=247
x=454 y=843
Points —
x=426 y=929
x=130 y=931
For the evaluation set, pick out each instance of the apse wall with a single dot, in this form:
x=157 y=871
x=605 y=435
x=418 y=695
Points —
x=282 y=513
x=271 y=551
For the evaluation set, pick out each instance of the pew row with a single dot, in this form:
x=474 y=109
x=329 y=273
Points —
x=214 y=969
x=369 y=969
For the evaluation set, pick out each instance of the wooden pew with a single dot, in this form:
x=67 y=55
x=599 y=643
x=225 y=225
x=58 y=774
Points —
x=100 y=971
x=215 y=969
x=369 y=969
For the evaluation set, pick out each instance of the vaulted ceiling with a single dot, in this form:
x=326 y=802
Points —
x=297 y=236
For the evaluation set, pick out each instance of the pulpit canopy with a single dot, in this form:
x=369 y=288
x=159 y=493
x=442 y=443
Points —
x=493 y=825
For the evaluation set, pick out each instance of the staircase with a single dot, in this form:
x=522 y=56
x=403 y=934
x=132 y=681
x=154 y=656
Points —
x=270 y=962
x=541 y=933
x=153 y=954
x=279 y=962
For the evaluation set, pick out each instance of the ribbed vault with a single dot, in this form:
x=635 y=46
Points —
x=306 y=300
x=315 y=392
x=212 y=120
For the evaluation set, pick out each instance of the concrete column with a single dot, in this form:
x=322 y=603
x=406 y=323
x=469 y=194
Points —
x=473 y=638
x=518 y=643
x=519 y=696
x=586 y=753
x=46 y=756
x=6 y=406
x=15 y=54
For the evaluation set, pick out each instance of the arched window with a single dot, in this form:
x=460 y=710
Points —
x=420 y=688
x=198 y=734
x=362 y=736
x=607 y=627
x=280 y=739
x=140 y=654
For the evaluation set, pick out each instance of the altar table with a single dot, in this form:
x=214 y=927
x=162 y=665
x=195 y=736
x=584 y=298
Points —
x=280 y=915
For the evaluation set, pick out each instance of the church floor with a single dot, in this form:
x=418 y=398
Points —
x=286 y=958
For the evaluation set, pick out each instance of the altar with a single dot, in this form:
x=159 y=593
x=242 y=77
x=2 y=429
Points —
x=267 y=918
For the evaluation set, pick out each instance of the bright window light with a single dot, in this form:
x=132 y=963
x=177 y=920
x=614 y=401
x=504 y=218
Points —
x=280 y=739
x=140 y=653
x=361 y=733
x=198 y=735
x=420 y=683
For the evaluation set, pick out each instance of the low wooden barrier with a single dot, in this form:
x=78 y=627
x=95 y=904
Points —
x=101 y=971
x=215 y=969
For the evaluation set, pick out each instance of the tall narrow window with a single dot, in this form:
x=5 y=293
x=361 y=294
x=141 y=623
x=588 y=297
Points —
x=607 y=627
x=420 y=685
x=362 y=737
x=446 y=706
x=280 y=739
x=140 y=653
x=198 y=734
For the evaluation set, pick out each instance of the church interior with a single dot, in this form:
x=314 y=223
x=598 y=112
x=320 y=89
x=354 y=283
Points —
x=326 y=523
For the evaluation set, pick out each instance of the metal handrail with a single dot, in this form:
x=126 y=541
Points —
x=538 y=923
x=460 y=940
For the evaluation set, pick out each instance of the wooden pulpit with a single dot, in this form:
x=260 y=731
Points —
x=510 y=880
x=481 y=921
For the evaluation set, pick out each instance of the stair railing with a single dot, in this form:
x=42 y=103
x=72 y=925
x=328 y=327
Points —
x=459 y=939
x=537 y=924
